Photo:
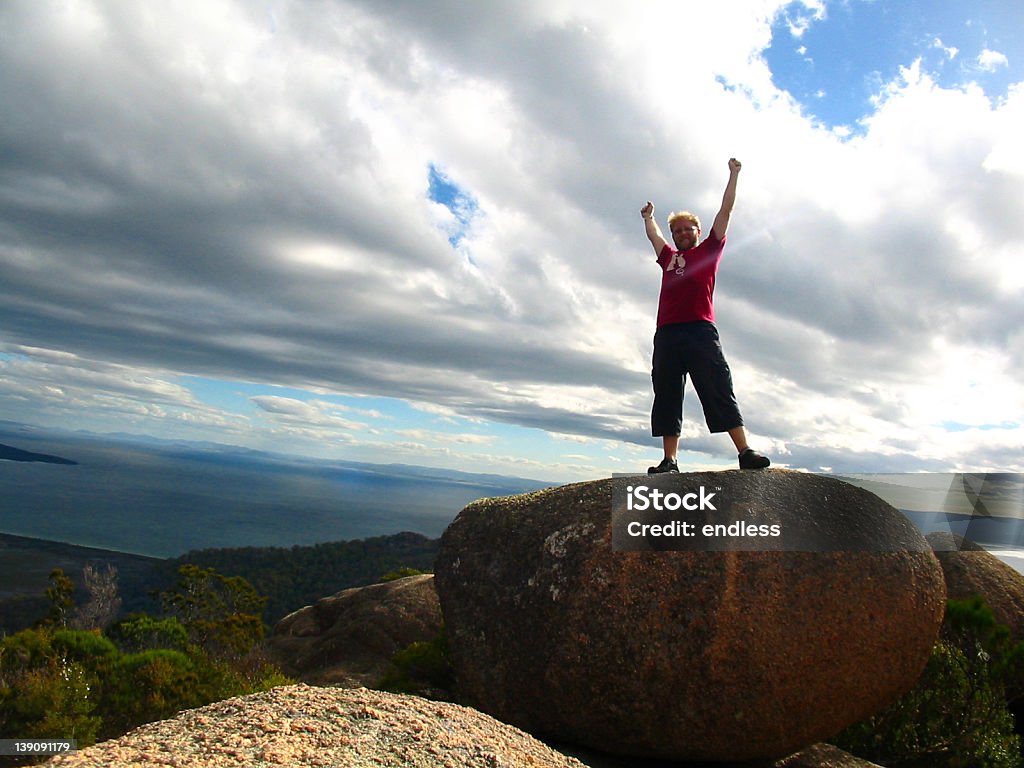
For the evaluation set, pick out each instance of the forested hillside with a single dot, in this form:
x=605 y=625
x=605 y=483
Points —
x=291 y=578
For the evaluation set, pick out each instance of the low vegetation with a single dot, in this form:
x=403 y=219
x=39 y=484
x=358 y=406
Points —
x=80 y=674
x=959 y=713
x=423 y=669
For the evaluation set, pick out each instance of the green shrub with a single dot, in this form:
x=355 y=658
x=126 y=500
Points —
x=43 y=692
x=72 y=683
x=23 y=649
x=147 y=686
x=957 y=713
x=142 y=632
x=422 y=668
x=971 y=626
x=83 y=645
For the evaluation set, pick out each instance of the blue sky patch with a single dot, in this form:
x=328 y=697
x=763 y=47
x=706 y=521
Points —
x=441 y=189
x=956 y=426
x=834 y=63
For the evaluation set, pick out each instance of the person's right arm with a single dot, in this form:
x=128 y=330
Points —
x=653 y=230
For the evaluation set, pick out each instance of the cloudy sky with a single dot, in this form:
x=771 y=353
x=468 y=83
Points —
x=410 y=231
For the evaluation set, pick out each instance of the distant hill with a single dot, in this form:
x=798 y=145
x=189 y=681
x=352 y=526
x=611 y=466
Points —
x=10 y=453
x=294 y=577
x=290 y=578
x=25 y=565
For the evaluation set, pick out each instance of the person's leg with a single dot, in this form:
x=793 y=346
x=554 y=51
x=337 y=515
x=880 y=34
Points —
x=671 y=445
x=739 y=438
x=668 y=378
x=712 y=380
x=747 y=456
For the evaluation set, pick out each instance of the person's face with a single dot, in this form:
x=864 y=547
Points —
x=684 y=234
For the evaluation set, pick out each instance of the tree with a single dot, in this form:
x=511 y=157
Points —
x=221 y=613
x=104 y=601
x=61 y=594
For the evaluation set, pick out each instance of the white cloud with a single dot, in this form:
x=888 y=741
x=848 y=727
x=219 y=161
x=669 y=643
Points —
x=287 y=411
x=799 y=21
x=60 y=388
x=951 y=51
x=243 y=195
x=990 y=61
x=424 y=436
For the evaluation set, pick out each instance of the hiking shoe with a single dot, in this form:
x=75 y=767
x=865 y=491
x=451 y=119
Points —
x=751 y=459
x=667 y=465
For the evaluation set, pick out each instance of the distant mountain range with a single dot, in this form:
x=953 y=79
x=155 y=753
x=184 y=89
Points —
x=210 y=451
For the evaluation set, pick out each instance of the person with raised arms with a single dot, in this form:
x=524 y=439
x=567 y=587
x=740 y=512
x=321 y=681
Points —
x=686 y=341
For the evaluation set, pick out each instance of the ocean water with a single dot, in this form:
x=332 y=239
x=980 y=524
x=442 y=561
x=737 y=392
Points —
x=165 y=499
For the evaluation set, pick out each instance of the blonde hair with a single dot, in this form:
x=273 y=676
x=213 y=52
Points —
x=685 y=216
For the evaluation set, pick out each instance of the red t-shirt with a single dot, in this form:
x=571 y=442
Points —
x=687 y=291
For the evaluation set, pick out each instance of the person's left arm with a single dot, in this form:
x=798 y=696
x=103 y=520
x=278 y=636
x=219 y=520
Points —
x=721 y=224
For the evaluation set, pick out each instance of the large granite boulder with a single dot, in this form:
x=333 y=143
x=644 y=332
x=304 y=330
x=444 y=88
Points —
x=689 y=655
x=971 y=571
x=349 y=638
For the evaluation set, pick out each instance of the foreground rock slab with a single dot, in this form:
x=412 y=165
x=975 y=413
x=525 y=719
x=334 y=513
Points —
x=298 y=726
x=698 y=655
x=349 y=638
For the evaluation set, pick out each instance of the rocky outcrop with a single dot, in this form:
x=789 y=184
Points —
x=824 y=756
x=300 y=725
x=694 y=655
x=349 y=638
x=969 y=571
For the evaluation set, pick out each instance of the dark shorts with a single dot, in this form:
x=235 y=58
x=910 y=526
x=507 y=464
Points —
x=692 y=349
